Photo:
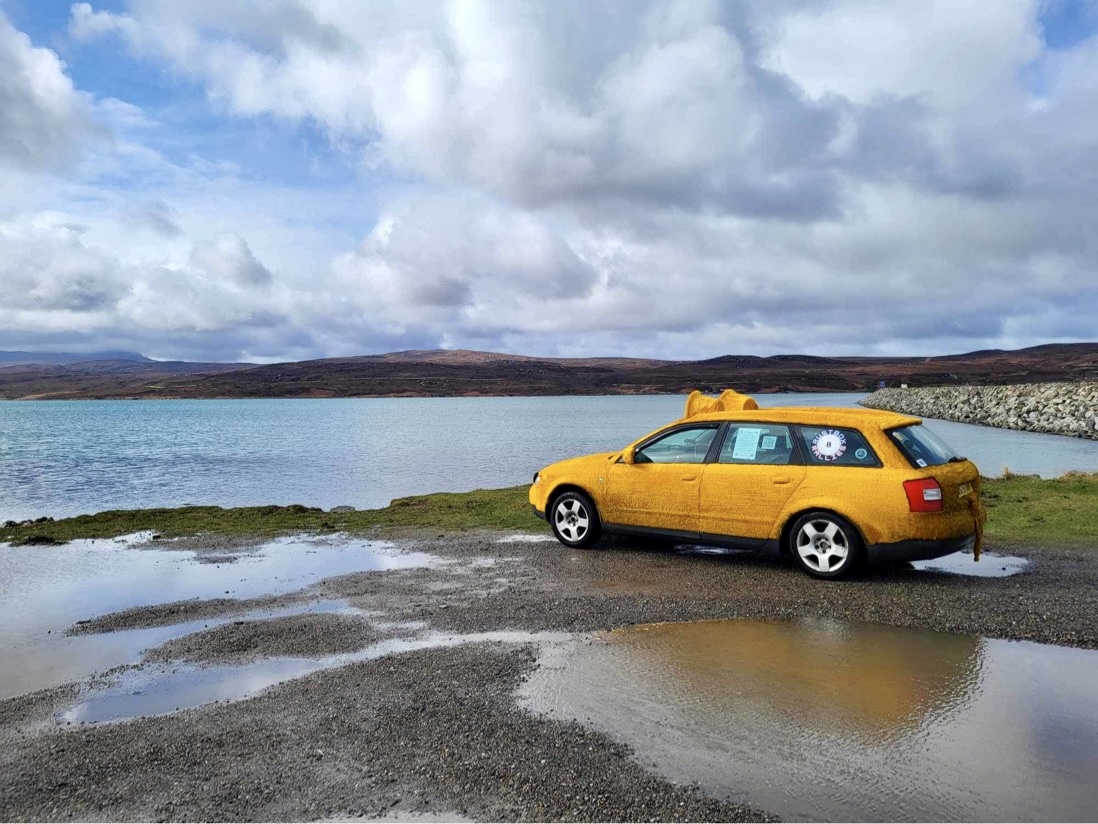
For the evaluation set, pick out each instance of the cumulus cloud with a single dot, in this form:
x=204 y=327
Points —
x=227 y=260
x=492 y=94
x=157 y=217
x=47 y=269
x=57 y=283
x=955 y=55
x=459 y=263
x=674 y=178
x=41 y=116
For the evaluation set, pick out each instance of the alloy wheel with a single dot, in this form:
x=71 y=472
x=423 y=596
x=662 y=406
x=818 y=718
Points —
x=823 y=546
x=572 y=519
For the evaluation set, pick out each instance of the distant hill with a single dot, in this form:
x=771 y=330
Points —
x=69 y=357
x=443 y=373
x=469 y=357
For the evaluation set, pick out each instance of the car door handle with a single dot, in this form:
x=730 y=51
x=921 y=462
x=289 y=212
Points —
x=779 y=480
x=689 y=477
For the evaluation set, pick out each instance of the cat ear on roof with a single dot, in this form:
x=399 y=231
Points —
x=728 y=401
x=732 y=401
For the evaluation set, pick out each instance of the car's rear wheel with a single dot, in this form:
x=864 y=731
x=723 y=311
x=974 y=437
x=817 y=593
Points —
x=574 y=520
x=825 y=545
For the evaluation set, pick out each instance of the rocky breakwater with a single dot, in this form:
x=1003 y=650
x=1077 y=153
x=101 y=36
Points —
x=1055 y=408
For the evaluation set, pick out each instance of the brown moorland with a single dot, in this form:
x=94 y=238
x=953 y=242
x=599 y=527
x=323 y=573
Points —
x=439 y=373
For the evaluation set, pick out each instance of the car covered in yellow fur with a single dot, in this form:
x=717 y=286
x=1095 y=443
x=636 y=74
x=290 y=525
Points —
x=830 y=488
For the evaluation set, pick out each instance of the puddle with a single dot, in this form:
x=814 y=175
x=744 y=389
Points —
x=160 y=689
x=525 y=538
x=990 y=565
x=45 y=590
x=843 y=721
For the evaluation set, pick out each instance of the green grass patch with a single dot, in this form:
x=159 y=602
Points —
x=1020 y=509
x=1024 y=508
x=506 y=509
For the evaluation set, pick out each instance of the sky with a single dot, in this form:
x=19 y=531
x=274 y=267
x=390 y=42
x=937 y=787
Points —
x=226 y=180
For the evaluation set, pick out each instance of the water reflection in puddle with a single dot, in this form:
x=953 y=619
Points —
x=990 y=565
x=843 y=721
x=44 y=590
x=155 y=690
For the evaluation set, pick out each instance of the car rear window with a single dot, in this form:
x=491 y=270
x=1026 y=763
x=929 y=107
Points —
x=836 y=446
x=922 y=447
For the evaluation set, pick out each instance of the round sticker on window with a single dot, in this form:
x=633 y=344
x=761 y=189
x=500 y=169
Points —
x=860 y=454
x=829 y=444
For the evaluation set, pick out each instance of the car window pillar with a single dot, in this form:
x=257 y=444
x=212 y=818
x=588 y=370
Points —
x=716 y=444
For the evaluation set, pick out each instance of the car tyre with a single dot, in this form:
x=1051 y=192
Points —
x=574 y=520
x=826 y=545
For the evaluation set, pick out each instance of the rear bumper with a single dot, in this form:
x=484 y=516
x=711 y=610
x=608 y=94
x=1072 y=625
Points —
x=919 y=550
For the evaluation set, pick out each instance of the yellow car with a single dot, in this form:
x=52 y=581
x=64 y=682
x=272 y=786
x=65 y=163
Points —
x=828 y=487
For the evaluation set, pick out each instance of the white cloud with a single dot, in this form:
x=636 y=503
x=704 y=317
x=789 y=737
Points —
x=42 y=118
x=46 y=267
x=955 y=54
x=674 y=179
x=455 y=262
x=227 y=260
x=489 y=94
x=57 y=282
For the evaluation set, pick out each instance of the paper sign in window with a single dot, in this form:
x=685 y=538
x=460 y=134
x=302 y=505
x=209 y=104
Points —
x=747 y=444
x=769 y=442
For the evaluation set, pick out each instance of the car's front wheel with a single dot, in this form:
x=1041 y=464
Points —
x=825 y=545
x=574 y=520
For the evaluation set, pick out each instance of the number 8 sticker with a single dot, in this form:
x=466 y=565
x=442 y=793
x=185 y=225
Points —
x=829 y=444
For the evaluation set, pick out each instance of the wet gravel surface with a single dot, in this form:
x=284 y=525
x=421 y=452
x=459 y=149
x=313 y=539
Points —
x=438 y=730
x=303 y=636
x=175 y=612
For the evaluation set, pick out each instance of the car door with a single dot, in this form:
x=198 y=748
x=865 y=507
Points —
x=659 y=490
x=745 y=489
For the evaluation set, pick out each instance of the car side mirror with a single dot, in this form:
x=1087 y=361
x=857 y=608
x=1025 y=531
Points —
x=627 y=456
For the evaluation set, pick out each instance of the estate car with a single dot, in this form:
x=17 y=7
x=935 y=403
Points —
x=828 y=487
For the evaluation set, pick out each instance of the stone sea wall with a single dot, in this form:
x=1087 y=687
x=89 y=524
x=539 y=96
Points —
x=1055 y=408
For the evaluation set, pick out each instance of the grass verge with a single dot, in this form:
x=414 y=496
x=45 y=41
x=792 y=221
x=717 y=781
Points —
x=1026 y=509
x=481 y=509
x=1021 y=508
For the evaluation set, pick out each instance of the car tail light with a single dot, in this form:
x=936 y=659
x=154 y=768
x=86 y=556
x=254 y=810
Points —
x=924 y=495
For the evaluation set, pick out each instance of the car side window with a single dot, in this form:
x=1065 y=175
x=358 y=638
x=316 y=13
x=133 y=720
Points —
x=836 y=446
x=757 y=443
x=687 y=445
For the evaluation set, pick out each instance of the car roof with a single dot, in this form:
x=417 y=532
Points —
x=812 y=415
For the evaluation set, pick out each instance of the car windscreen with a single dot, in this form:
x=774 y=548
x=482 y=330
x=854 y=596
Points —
x=922 y=447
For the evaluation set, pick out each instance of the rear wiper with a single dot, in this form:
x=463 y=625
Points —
x=956 y=459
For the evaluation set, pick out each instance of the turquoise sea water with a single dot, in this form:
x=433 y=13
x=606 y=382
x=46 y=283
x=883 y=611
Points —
x=64 y=458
